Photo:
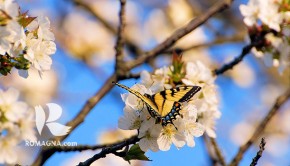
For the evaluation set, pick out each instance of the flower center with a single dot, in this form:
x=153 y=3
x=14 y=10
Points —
x=169 y=130
x=136 y=124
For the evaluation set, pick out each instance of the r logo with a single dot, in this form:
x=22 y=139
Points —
x=54 y=113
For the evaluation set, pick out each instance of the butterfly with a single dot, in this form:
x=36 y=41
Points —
x=164 y=106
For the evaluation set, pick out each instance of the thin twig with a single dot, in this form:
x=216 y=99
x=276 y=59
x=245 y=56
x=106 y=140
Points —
x=111 y=149
x=220 y=40
x=218 y=7
x=256 y=41
x=210 y=151
x=82 y=147
x=89 y=9
x=79 y=118
x=120 y=39
x=279 y=102
x=131 y=45
x=259 y=153
x=218 y=152
x=237 y=60
x=181 y=32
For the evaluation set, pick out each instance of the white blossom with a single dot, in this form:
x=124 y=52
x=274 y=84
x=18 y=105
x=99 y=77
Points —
x=149 y=138
x=169 y=134
x=10 y=8
x=196 y=116
x=10 y=107
x=189 y=125
x=34 y=41
x=207 y=103
x=131 y=119
x=16 y=125
x=39 y=49
x=250 y=12
x=4 y=42
x=270 y=15
x=7 y=150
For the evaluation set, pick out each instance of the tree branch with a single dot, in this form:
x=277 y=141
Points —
x=279 y=102
x=79 y=118
x=257 y=40
x=209 y=150
x=111 y=149
x=259 y=153
x=214 y=151
x=181 y=32
x=220 y=40
x=218 y=152
x=83 y=147
x=131 y=45
x=120 y=39
x=218 y=7
x=237 y=60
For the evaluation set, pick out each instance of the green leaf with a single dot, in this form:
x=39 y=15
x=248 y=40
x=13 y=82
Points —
x=135 y=153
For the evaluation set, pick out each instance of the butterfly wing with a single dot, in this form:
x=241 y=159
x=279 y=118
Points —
x=169 y=101
x=165 y=105
x=146 y=100
x=165 y=99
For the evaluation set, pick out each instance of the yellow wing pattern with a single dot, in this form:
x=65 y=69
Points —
x=165 y=99
x=165 y=105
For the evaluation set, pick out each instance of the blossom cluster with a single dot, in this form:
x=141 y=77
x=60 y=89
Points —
x=16 y=125
x=198 y=115
x=24 y=41
x=272 y=17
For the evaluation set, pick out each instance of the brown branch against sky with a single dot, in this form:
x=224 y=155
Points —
x=89 y=105
x=111 y=149
x=259 y=153
x=120 y=40
x=83 y=147
x=79 y=118
x=181 y=32
x=218 y=152
x=106 y=24
x=279 y=102
x=217 y=41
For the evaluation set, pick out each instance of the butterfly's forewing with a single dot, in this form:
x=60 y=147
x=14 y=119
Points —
x=179 y=94
x=146 y=100
x=188 y=92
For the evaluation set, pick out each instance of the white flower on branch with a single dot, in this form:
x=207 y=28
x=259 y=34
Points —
x=250 y=12
x=16 y=125
x=24 y=40
x=197 y=116
x=269 y=14
x=10 y=8
x=149 y=138
x=4 y=42
x=207 y=102
x=169 y=134
x=261 y=16
x=40 y=47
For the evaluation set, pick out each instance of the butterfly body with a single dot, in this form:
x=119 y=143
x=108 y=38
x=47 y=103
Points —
x=165 y=105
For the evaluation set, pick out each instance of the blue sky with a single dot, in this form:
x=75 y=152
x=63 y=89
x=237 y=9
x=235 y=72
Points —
x=78 y=83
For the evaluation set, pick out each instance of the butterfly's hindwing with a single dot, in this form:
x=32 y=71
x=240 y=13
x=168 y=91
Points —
x=168 y=118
